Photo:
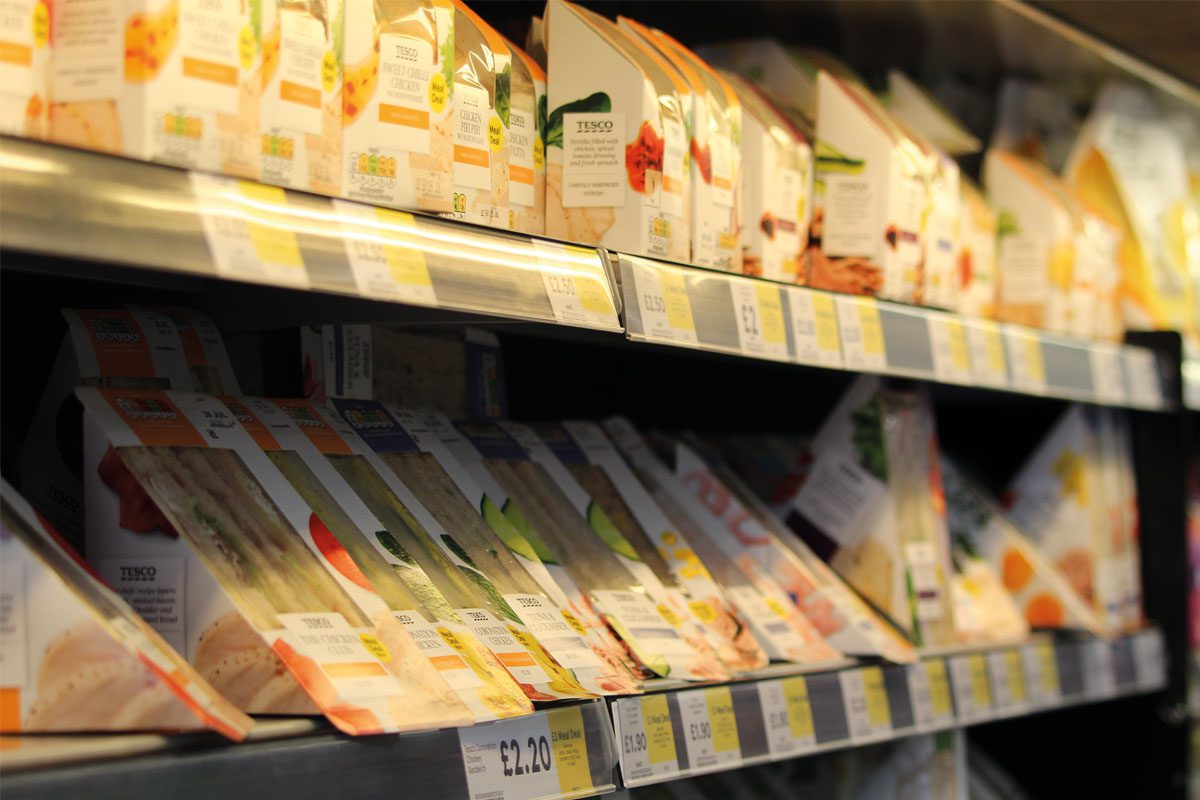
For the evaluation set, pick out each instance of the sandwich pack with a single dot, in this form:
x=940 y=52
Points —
x=616 y=141
x=173 y=81
x=526 y=147
x=25 y=69
x=300 y=128
x=76 y=657
x=398 y=104
x=977 y=279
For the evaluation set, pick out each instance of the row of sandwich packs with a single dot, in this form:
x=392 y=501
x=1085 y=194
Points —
x=396 y=570
x=755 y=158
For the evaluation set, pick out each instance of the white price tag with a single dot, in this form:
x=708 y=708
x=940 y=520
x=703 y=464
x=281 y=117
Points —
x=987 y=353
x=1142 y=378
x=1025 y=358
x=250 y=234
x=951 y=352
x=866 y=702
x=815 y=327
x=385 y=253
x=1108 y=382
x=1149 y=659
x=1041 y=673
x=1099 y=678
x=576 y=285
x=541 y=755
x=787 y=716
x=929 y=688
x=759 y=313
x=646 y=737
x=972 y=689
x=862 y=333
x=1009 y=689
x=663 y=301
x=710 y=728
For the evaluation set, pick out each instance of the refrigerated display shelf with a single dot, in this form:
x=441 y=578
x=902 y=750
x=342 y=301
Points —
x=74 y=204
x=660 y=736
x=738 y=315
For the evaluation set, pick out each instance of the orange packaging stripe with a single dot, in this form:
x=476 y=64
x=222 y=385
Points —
x=253 y=425
x=152 y=416
x=302 y=95
x=516 y=659
x=518 y=174
x=445 y=663
x=119 y=344
x=200 y=69
x=399 y=115
x=10 y=710
x=311 y=424
x=13 y=53
x=671 y=185
x=722 y=183
x=470 y=155
x=355 y=669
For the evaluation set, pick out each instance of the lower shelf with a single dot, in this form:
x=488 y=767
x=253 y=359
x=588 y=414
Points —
x=570 y=751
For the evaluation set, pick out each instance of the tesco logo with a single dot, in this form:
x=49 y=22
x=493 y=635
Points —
x=593 y=125
x=138 y=573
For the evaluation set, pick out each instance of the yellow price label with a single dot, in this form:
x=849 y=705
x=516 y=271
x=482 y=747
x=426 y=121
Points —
x=274 y=243
x=799 y=708
x=1047 y=662
x=981 y=689
x=574 y=622
x=956 y=340
x=41 y=25
x=675 y=297
x=939 y=686
x=770 y=313
x=878 y=712
x=872 y=328
x=405 y=263
x=1035 y=366
x=994 y=348
x=721 y=717
x=826 y=323
x=1015 y=675
x=660 y=734
x=569 y=743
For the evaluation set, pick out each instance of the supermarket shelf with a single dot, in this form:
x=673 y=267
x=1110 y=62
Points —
x=63 y=202
x=664 y=737
x=470 y=762
x=733 y=314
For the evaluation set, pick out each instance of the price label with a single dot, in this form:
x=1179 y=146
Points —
x=1108 y=382
x=1041 y=672
x=787 y=715
x=1149 y=660
x=951 y=352
x=541 y=755
x=647 y=738
x=986 y=344
x=929 y=688
x=972 y=691
x=251 y=235
x=1008 y=680
x=1099 y=677
x=576 y=285
x=710 y=727
x=866 y=701
x=815 y=327
x=759 y=312
x=1025 y=357
x=862 y=333
x=1142 y=378
x=386 y=253
x=663 y=301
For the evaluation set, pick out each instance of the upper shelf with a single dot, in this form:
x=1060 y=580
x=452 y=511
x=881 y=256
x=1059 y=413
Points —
x=84 y=206
x=74 y=204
